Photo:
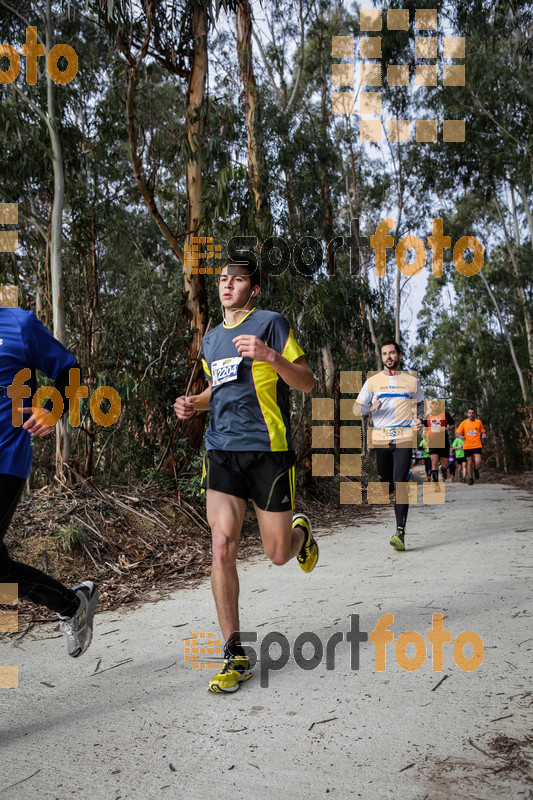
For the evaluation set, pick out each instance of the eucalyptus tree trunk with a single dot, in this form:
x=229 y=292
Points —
x=507 y=336
x=377 y=351
x=527 y=209
x=193 y=286
x=256 y=153
x=354 y=214
x=56 y=265
x=524 y=302
x=327 y=356
x=398 y=307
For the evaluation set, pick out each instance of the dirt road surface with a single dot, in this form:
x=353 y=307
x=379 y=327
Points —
x=133 y=719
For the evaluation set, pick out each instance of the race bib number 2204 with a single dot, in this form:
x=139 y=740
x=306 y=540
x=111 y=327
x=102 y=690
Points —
x=225 y=370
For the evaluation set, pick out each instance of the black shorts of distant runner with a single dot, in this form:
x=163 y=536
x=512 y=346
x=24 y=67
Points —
x=442 y=452
x=460 y=459
x=265 y=477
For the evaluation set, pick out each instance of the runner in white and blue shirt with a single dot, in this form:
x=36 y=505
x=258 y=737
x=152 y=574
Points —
x=390 y=396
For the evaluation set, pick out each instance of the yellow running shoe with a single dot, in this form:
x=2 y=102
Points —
x=397 y=540
x=234 y=671
x=308 y=555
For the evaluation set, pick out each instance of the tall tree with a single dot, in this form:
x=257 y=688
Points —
x=256 y=155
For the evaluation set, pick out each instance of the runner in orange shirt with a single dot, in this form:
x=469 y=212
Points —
x=472 y=431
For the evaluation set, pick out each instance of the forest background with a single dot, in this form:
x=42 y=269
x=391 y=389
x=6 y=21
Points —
x=215 y=119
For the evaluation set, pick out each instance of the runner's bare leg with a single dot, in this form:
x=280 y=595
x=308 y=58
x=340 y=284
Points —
x=280 y=541
x=225 y=515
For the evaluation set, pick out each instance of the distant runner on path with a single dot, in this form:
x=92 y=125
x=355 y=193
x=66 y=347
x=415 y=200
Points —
x=388 y=397
x=438 y=422
x=471 y=430
x=451 y=465
x=460 y=460
x=425 y=454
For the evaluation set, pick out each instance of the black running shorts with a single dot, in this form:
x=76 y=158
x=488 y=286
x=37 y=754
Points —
x=265 y=477
x=442 y=452
x=473 y=451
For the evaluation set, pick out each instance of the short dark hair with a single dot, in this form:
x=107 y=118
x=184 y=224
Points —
x=471 y=408
x=251 y=269
x=396 y=345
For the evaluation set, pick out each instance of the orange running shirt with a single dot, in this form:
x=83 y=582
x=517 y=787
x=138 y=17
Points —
x=471 y=431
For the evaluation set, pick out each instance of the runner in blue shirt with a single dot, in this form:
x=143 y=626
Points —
x=250 y=361
x=26 y=344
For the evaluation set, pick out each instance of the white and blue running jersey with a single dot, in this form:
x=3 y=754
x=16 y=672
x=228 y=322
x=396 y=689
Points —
x=402 y=399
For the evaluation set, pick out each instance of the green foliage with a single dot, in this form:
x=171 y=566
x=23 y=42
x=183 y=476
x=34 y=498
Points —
x=126 y=317
x=73 y=536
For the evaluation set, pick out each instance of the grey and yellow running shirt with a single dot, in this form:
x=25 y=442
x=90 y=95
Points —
x=249 y=403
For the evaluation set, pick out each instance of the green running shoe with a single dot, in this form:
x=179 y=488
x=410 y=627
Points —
x=398 y=540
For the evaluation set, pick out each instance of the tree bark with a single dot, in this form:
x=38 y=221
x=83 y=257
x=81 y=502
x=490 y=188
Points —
x=354 y=214
x=328 y=368
x=519 y=287
x=527 y=210
x=194 y=289
x=397 y=309
x=256 y=153
x=56 y=266
x=507 y=336
x=308 y=458
x=194 y=293
x=325 y=188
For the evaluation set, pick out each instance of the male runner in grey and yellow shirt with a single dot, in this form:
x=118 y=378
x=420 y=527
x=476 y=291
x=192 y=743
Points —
x=250 y=360
x=389 y=396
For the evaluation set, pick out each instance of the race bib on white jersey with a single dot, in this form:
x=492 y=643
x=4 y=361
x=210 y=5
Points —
x=224 y=370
